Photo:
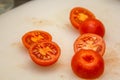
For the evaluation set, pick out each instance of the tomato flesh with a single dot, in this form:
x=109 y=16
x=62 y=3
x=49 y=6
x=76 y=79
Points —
x=35 y=36
x=87 y=64
x=78 y=15
x=45 y=53
x=90 y=41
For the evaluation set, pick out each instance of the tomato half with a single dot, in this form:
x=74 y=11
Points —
x=45 y=53
x=78 y=15
x=32 y=37
x=90 y=41
x=87 y=64
x=92 y=26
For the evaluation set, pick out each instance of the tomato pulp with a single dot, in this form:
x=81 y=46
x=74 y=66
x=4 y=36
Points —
x=45 y=53
x=90 y=41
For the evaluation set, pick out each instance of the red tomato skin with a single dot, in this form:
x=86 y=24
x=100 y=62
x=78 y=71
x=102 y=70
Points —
x=85 y=67
x=92 y=26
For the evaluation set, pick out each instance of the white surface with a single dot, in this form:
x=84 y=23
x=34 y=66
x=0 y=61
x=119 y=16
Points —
x=53 y=16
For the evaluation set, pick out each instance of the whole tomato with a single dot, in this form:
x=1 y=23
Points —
x=92 y=26
x=87 y=64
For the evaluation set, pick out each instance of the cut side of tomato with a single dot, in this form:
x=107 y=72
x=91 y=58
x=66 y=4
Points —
x=78 y=15
x=90 y=41
x=32 y=37
x=45 y=53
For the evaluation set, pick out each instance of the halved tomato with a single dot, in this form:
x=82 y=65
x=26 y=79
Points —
x=32 y=37
x=78 y=15
x=90 y=41
x=45 y=53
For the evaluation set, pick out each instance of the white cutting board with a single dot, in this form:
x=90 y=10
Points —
x=53 y=16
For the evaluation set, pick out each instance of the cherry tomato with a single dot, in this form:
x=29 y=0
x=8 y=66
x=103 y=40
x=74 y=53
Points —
x=32 y=37
x=87 y=64
x=45 y=53
x=92 y=26
x=90 y=41
x=78 y=15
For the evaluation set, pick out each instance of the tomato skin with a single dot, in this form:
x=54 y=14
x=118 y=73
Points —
x=45 y=53
x=87 y=64
x=90 y=41
x=78 y=15
x=92 y=26
x=34 y=36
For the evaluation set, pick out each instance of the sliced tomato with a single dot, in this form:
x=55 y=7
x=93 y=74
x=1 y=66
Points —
x=78 y=15
x=92 y=26
x=90 y=41
x=32 y=37
x=45 y=53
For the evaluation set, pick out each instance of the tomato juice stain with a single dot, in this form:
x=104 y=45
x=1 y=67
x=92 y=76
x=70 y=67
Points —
x=16 y=44
x=39 y=22
x=112 y=62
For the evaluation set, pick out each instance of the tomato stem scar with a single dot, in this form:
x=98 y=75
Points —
x=88 y=59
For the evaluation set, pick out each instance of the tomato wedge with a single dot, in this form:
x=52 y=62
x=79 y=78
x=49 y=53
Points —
x=90 y=41
x=45 y=53
x=78 y=15
x=32 y=37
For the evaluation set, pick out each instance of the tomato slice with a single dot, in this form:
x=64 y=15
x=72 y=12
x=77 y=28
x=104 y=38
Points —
x=78 y=15
x=45 y=53
x=32 y=37
x=90 y=41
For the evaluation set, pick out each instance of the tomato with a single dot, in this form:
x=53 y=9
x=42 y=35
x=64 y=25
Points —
x=45 y=53
x=87 y=64
x=32 y=37
x=78 y=15
x=92 y=26
x=90 y=41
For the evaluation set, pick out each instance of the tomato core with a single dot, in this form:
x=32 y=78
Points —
x=82 y=17
x=36 y=38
